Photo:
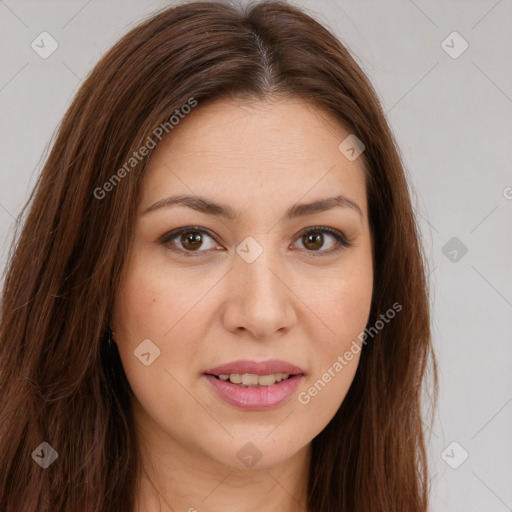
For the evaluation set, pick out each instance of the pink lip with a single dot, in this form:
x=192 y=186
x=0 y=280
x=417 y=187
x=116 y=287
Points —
x=255 y=368
x=260 y=397
x=255 y=398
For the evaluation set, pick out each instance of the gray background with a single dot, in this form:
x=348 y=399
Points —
x=453 y=121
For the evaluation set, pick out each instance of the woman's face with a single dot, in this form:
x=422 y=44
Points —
x=254 y=285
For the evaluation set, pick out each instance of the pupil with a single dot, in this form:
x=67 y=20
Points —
x=315 y=240
x=191 y=240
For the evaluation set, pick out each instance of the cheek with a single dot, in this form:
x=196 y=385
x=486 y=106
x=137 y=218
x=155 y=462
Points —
x=138 y=316
x=153 y=298
x=150 y=316
x=343 y=306
x=157 y=303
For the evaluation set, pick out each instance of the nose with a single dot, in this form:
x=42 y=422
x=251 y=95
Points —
x=259 y=300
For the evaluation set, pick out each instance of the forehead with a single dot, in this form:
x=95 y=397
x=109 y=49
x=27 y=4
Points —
x=255 y=152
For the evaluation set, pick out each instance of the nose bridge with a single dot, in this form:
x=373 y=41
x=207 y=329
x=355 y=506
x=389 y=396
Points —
x=259 y=295
x=256 y=267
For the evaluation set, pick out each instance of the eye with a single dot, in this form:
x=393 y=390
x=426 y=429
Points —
x=190 y=240
x=313 y=239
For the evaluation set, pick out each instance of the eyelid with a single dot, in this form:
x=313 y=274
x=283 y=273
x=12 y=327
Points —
x=343 y=241
x=175 y=233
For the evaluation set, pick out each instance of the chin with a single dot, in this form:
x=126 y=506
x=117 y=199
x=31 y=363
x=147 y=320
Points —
x=255 y=451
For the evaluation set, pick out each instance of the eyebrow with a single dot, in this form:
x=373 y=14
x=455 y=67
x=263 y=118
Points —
x=204 y=205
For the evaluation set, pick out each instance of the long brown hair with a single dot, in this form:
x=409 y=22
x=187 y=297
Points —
x=62 y=384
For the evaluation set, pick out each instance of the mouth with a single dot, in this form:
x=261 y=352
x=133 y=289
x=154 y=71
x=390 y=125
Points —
x=255 y=385
x=250 y=380
x=252 y=373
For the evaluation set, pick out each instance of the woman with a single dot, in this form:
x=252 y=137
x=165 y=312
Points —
x=218 y=298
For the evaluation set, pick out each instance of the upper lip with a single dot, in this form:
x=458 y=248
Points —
x=256 y=368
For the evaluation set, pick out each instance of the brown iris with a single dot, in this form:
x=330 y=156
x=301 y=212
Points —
x=191 y=240
x=315 y=239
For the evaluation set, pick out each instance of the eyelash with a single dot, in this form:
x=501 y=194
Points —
x=341 y=239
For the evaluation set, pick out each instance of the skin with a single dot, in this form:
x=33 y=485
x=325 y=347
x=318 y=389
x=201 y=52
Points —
x=291 y=303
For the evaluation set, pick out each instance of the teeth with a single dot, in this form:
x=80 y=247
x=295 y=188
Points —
x=250 y=380
x=235 y=378
x=266 y=380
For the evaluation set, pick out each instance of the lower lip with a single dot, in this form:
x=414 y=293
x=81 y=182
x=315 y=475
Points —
x=255 y=398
